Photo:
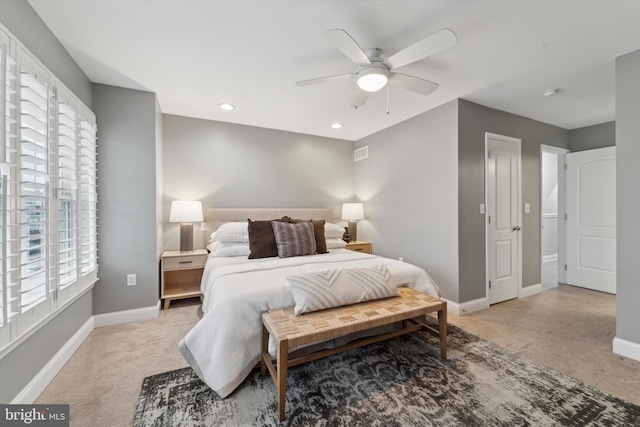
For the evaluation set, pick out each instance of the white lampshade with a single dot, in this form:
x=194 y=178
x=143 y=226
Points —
x=186 y=211
x=352 y=211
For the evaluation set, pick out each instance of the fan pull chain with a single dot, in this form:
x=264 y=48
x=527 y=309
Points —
x=356 y=102
x=387 y=99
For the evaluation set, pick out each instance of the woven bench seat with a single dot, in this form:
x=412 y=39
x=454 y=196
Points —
x=289 y=330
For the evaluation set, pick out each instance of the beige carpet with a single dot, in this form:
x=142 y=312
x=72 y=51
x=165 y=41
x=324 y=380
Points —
x=568 y=329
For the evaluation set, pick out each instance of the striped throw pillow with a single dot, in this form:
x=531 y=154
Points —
x=294 y=239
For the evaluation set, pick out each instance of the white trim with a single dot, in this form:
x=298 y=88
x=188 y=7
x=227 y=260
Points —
x=36 y=386
x=530 y=290
x=549 y=258
x=126 y=316
x=467 y=307
x=626 y=348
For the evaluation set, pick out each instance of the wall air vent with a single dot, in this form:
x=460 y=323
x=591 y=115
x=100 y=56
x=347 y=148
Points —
x=361 y=153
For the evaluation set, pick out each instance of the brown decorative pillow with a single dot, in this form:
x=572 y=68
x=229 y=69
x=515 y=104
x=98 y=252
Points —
x=294 y=239
x=262 y=242
x=318 y=233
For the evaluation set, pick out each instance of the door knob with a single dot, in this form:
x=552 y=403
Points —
x=515 y=228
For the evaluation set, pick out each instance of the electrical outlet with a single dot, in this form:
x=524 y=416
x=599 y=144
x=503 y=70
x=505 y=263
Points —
x=401 y=259
x=131 y=279
x=203 y=226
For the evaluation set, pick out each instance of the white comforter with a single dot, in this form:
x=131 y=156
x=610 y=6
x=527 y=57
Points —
x=224 y=345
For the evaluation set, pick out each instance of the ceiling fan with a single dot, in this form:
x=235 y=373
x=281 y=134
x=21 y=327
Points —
x=374 y=72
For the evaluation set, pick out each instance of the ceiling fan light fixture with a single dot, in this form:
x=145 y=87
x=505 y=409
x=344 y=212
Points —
x=373 y=79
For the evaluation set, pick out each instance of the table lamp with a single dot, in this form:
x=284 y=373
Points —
x=186 y=213
x=352 y=212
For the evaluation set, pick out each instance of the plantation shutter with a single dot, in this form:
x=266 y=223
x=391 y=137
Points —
x=33 y=189
x=48 y=195
x=8 y=143
x=88 y=195
x=67 y=194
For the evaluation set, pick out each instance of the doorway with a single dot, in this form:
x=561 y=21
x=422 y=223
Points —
x=552 y=214
x=503 y=235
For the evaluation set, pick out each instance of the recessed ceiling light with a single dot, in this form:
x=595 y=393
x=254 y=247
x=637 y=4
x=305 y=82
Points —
x=336 y=125
x=227 y=107
x=550 y=92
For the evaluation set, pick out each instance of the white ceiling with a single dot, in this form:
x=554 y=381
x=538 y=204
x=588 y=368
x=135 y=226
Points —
x=197 y=54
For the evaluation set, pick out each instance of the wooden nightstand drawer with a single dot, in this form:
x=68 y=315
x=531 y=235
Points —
x=184 y=262
x=358 y=246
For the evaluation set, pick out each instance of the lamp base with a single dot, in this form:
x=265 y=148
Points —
x=353 y=231
x=186 y=237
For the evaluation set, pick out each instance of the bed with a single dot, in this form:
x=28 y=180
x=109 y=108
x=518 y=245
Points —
x=224 y=346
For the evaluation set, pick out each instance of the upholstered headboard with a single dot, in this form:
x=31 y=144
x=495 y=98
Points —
x=215 y=217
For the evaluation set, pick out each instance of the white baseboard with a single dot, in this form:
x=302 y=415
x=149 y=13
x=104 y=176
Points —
x=36 y=386
x=530 y=290
x=126 y=316
x=626 y=348
x=467 y=307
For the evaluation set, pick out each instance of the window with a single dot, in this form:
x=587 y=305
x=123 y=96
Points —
x=48 y=200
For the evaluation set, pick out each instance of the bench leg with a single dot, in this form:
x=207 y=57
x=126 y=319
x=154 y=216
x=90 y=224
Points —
x=264 y=350
x=442 y=329
x=283 y=355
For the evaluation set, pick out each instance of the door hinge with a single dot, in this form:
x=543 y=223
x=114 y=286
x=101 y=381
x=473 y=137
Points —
x=489 y=219
x=488 y=154
x=565 y=166
x=565 y=267
x=489 y=284
x=565 y=217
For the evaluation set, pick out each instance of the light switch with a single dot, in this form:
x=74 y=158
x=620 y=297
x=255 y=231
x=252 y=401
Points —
x=482 y=208
x=527 y=208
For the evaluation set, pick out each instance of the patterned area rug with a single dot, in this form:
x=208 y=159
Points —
x=398 y=382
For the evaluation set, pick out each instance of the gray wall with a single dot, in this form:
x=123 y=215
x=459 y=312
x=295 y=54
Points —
x=473 y=121
x=591 y=137
x=235 y=166
x=628 y=196
x=127 y=187
x=25 y=24
x=19 y=366
x=409 y=188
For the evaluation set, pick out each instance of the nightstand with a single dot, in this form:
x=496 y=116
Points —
x=359 y=246
x=181 y=275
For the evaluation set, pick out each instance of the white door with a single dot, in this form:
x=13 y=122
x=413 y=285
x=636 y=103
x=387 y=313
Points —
x=591 y=219
x=503 y=218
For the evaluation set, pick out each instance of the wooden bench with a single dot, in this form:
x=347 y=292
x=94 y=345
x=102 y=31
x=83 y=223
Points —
x=289 y=330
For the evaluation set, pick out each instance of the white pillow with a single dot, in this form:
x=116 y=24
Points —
x=335 y=243
x=232 y=232
x=334 y=288
x=224 y=249
x=333 y=230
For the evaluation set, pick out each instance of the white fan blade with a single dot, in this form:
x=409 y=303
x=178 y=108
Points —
x=327 y=79
x=348 y=46
x=415 y=84
x=360 y=98
x=428 y=46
